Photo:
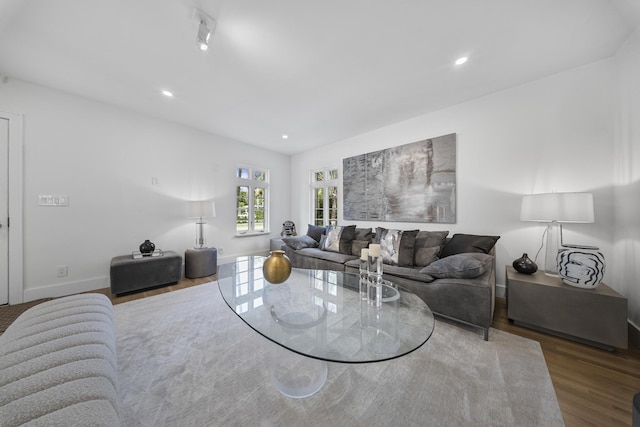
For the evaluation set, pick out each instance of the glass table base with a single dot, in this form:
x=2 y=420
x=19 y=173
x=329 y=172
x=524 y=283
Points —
x=294 y=375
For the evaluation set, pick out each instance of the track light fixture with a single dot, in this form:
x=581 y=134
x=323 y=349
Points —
x=206 y=25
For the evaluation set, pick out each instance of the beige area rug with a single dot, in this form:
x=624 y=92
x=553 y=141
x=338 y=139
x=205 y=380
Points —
x=186 y=359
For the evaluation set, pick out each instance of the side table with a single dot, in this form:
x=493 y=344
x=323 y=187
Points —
x=596 y=317
x=200 y=262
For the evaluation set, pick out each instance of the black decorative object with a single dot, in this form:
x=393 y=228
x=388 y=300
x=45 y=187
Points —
x=525 y=265
x=147 y=248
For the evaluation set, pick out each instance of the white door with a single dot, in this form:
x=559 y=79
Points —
x=4 y=211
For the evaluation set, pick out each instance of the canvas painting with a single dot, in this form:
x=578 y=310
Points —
x=414 y=182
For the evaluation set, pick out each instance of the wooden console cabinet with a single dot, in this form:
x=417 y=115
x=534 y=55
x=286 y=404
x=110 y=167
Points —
x=592 y=316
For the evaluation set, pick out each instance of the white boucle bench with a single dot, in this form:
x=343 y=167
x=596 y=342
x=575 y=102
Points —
x=58 y=365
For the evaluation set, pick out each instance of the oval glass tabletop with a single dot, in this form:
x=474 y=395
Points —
x=323 y=315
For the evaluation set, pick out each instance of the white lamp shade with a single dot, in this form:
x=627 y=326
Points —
x=560 y=207
x=201 y=209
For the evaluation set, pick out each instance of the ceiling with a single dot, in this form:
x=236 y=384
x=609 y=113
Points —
x=318 y=71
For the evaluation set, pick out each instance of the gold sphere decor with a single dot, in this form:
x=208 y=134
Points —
x=277 y=267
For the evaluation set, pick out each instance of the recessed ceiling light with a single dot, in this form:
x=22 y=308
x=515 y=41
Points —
x=167 y=94
x=285 y=136
x=461 y=61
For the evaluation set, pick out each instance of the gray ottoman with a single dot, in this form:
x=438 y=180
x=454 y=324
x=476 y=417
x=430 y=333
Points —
x=200 y=262
x=128 y=274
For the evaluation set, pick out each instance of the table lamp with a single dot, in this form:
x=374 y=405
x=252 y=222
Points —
x=201 y=209
x=555 y=209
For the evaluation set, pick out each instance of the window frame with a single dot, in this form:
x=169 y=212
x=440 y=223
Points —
x=325 y=184
x=252 y=185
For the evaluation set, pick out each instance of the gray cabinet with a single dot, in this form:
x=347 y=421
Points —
x=592 y=316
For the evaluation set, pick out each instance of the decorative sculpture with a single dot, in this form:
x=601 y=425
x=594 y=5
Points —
x=581 y=266
x=288 y=229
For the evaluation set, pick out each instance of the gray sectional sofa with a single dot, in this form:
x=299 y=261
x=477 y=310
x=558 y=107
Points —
x=455 y=276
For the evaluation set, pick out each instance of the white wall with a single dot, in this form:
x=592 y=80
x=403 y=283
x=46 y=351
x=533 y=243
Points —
x=554 y=134
x=104 y=159
x=626 y=260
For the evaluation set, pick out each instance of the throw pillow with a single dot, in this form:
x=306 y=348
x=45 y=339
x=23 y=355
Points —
x=396 y=246
x=460 y=266
x=316 y=232
x=338 y=239
x=462 y=243
x=363 y=234
x=357 y=246
x=425 y=256
x=428 y=246
x=300 y=242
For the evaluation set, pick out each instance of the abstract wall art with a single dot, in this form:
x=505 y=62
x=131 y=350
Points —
x=414 y=182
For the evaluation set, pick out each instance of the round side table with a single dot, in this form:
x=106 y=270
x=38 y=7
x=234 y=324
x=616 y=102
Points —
x=200 y=262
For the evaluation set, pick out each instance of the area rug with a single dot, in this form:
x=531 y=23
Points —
x=186 y=359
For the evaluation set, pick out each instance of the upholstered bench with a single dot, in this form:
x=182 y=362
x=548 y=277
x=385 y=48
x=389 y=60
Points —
x=58 y=365
x=129 y=274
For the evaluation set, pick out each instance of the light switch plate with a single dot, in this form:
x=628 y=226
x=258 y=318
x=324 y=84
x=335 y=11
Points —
x=53 y=200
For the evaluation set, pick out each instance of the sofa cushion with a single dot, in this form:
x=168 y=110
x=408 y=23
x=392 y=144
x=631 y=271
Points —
x=391 y=271
x=464 y=243
x=338 y=239
x=326 y=255
x=430 y=239
x=425 y=256
x=316 y=232
x=300 y=242
x=396 y=246
x=357 y=246
x=363 y=234
x=459 y=266
x=428 y=246
x=361 y=239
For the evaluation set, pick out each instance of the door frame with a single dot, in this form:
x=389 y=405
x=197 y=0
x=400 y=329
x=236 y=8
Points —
x=15 y=199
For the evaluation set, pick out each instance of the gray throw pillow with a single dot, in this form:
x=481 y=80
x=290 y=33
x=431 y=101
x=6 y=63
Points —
x=357 y=246
x=425 y=256
x=363 y=234
x=316 y=232
x=460 y=266
x=428 y=246
x=396 y=246
x=300 y=242
x=338 y=239
x=464 y=243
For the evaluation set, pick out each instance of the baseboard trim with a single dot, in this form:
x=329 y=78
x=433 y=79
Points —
x=501 y=291
x=64 y=289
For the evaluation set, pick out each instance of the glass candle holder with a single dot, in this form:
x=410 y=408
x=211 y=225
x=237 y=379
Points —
x=364 y=273
x=375 y=275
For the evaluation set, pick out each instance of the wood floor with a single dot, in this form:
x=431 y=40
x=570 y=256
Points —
x=594 y=387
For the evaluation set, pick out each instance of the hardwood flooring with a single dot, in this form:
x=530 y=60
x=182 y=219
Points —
x=594 y=387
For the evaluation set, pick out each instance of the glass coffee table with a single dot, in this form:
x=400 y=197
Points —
x=323 y=316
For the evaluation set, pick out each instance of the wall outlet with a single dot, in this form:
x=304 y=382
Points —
x=220 y=251
x=62 y=270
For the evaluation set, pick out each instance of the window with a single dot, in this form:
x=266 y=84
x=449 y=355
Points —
x=252 y=193
x=324 y=196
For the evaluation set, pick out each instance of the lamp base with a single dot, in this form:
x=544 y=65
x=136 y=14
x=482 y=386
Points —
x=554 y=240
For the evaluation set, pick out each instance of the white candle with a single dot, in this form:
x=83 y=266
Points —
x=364 y=254
x=374 y=250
